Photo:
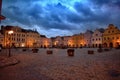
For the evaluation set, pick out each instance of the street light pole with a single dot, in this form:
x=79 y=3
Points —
x=10 y=32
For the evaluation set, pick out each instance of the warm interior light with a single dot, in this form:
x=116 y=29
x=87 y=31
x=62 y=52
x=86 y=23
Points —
x=23 y=45
x=10 y=32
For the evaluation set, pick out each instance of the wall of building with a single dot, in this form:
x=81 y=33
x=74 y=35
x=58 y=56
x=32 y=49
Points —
x=96 y=39
x=111 y=36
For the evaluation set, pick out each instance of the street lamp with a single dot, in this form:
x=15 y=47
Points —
x=10 y=32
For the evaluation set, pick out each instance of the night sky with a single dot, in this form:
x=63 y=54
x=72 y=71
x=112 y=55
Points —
x=61 y=17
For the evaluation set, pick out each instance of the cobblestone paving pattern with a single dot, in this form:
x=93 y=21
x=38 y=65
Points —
x=59 y=66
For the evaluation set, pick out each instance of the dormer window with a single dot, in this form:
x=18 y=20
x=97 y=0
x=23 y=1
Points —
x=96 y=34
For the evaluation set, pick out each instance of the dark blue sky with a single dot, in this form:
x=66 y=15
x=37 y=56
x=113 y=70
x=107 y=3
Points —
x=61 y=17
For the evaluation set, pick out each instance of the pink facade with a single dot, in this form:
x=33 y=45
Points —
x=87 y=37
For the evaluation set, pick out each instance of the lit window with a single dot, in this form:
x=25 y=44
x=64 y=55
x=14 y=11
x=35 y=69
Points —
x=112 y=31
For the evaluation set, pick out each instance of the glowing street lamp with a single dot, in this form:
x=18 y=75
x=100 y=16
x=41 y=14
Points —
x=10 y=32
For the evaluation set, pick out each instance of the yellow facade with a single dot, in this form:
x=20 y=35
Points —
x=111 y=36
x=32 y=39
x=78 y=40
x=21 y=37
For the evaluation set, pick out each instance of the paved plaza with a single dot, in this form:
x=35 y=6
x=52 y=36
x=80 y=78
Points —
x=60 y=66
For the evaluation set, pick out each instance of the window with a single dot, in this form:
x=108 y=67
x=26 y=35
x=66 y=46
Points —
x=108 y=31
x=99 y=39
x=96 y=39
x=108 y=38
x=117 y=37
x=113 y=38
x=104 y=38
x=96 y=34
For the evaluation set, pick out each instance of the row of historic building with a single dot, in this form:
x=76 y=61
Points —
x=21 y=37
x=109 y=37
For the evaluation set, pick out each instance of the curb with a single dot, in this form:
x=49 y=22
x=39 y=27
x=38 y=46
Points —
x=7 y=63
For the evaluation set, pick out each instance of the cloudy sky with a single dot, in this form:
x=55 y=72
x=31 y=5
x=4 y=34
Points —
x=61 y=17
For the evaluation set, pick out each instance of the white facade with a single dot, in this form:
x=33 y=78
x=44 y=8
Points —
x=96 y=39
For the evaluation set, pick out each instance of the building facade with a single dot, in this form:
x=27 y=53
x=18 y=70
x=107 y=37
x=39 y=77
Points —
x=1 y=40
x=111 y=36
x=45 y=42
x=20 y=37
x=96 y=39
x=57 y=41
x=78 y=40
x=87 y=38
x=67 y=42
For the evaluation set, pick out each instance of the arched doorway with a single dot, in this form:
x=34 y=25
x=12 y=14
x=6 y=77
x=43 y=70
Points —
x=100 y=46
x=117 y=44
x=105 y=44
x=111 y=45
x=95 y=45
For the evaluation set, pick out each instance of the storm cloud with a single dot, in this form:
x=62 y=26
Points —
x=61 y=17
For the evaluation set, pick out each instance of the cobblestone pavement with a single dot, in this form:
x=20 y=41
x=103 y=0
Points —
x=7 y=61
x=59 y=66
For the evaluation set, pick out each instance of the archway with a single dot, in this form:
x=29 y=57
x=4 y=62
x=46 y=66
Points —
x=117 y=44
x=111 y=45
x=100 y=46
x=105 y=44
x=95 y=45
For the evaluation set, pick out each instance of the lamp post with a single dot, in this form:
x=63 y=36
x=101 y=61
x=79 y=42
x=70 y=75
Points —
x=10 y=32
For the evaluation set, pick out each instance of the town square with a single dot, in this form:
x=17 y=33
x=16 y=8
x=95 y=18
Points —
x=60 y=66
x=59 y=40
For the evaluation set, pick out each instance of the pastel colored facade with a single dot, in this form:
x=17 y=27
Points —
x=16 y=39
x=32 y=39
x=20 y=37
x=58 y=41
x=96 y=39
x=111 y=36
x=78 y=40
x=67 y=42
x=87 y=38
x=45 y=42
